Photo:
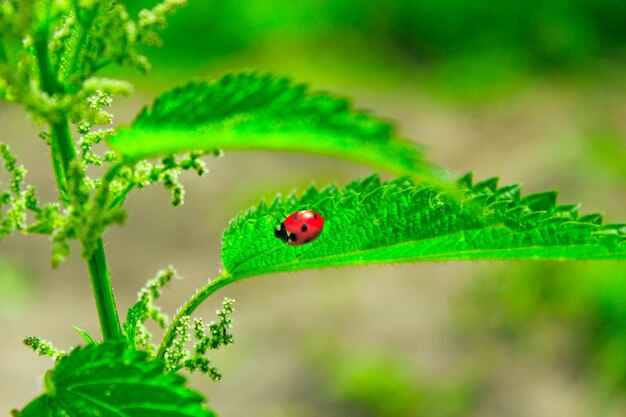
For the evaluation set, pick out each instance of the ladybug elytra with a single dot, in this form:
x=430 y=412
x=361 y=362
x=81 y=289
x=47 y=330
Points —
x=300 y=228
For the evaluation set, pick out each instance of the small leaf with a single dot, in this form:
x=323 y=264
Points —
x=133 y=320
x=251 y=111
x=108 y=380
x=85 y=336
x=373 y=222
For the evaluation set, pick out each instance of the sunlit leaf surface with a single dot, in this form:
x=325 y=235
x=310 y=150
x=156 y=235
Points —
x=250 y=111
x=369 y=222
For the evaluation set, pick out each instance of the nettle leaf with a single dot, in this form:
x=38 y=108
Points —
x=369 y=222
x=109 y=380
x=252 y=111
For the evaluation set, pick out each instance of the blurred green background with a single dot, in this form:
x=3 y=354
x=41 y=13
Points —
x=531 y=91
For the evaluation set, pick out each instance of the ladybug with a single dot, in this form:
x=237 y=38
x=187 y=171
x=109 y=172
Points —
x=300 y=228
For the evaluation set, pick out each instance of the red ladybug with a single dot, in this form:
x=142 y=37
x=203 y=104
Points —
x=300 y=228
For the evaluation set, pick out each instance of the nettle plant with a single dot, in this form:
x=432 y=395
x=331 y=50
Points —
x=51 y=52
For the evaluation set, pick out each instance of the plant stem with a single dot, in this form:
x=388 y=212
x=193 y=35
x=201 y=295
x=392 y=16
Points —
x=103 y=293
x=85 y=29
x=48 y=81
x=63 y=138
x=63 y=150
x=63 y=153
x=190 y=306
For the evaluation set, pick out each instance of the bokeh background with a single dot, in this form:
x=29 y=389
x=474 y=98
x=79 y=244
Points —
x=530 y=91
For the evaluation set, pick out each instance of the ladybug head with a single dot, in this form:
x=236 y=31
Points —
x=281 y=233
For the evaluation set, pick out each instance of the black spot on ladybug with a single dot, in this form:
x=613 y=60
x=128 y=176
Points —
x=315 y=216
x=304 y=228
x=307 y=240
x=295 y=218
x=293 y=237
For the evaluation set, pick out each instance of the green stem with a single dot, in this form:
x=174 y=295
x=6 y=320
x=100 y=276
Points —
x=48 y=81
x=103 y=293
x=121 y=196
x=85 y=31
x=63 y=152
x=190 y=306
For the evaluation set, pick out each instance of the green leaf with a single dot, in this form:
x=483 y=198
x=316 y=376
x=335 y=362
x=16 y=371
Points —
x=371 y=222
x=251 y=111
x=107 y=380
x=133 y=319
x=85 y=336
